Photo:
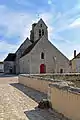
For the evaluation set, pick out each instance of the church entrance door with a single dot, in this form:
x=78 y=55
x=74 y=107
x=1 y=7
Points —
x=42 y=68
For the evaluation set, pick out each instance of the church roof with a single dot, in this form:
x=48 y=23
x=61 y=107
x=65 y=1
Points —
x=29 y=48
x=10 y=57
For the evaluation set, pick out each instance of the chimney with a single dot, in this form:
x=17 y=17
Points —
x=74 y=53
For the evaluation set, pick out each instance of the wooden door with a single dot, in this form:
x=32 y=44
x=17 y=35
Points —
x=42 y=68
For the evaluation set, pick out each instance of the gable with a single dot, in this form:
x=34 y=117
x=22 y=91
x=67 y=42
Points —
x=44 y=44
x=23 y=47
x=25 y=44
x=41 y=22
x=29 y=48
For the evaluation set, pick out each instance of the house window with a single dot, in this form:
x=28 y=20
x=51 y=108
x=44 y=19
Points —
x=39 y=33
x=42 y=32
x=42 y=55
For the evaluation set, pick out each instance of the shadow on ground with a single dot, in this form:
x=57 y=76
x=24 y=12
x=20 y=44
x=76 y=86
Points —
x=33 y=94
x=37 y=113
x=3 y=75
x=44 y=114
x=40 y=114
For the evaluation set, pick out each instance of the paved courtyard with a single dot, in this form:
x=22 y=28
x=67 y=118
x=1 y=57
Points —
x=18 y=102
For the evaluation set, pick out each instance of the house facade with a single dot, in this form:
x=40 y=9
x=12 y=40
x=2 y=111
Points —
x=39 y=55
x=75 y=62
x=1 y=67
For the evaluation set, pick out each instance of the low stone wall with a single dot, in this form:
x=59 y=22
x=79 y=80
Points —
x=37 y=83
x=65 y=100
x=63 y=76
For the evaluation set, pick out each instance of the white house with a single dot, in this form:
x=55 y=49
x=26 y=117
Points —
x=75 y=62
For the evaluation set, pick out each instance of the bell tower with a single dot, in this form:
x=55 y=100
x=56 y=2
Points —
x=38 y=30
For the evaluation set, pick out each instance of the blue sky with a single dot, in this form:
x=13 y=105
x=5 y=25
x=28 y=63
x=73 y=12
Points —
x=61 y=16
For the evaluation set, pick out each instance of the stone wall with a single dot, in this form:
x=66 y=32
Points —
x=65 y=100
x=50 y=52
x=9 y=65
x=36 y=83
x=24 y=63
x=20 y=51
x=64 y=76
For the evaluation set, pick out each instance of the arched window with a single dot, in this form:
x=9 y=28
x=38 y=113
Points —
x=42 y=55
x=41 y=25
x=42 y=32
x=39 y=32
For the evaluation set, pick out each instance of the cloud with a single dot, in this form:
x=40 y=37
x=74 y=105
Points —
x=17 y=23
x=49 y=2
x=24 y=3
x=76 y=23
x=5 y=48
x=13 y=23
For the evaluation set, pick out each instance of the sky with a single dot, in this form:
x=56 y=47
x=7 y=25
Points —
x=61 y=16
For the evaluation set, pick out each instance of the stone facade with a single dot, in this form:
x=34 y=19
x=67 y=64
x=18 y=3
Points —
x=54 y=60
x=1 y=67
x=75 y=62
x=11 y=63
x=9 y=67
x=19 y=53
x=39 y=55
x=76 y=65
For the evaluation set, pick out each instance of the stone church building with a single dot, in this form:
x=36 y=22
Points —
x=37 y=55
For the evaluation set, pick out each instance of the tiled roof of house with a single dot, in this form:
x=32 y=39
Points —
x=10 y=57
x=1 y=62
x=77 y=56
x=29 y=48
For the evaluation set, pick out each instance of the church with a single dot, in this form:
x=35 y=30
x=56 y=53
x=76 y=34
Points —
x=37 y=55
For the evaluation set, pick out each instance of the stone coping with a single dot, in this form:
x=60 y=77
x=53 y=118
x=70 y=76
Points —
x=60 y=84
x=68 y=88
x=52 y=74
x=41 y=78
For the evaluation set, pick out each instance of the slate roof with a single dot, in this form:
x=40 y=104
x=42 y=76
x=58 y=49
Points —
x=77 y=56
x=29 y=48
x=1 y=62
x=23 y=43
x=10 y=57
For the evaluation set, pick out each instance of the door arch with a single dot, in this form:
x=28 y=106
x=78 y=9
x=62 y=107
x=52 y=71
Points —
x=42 y=68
